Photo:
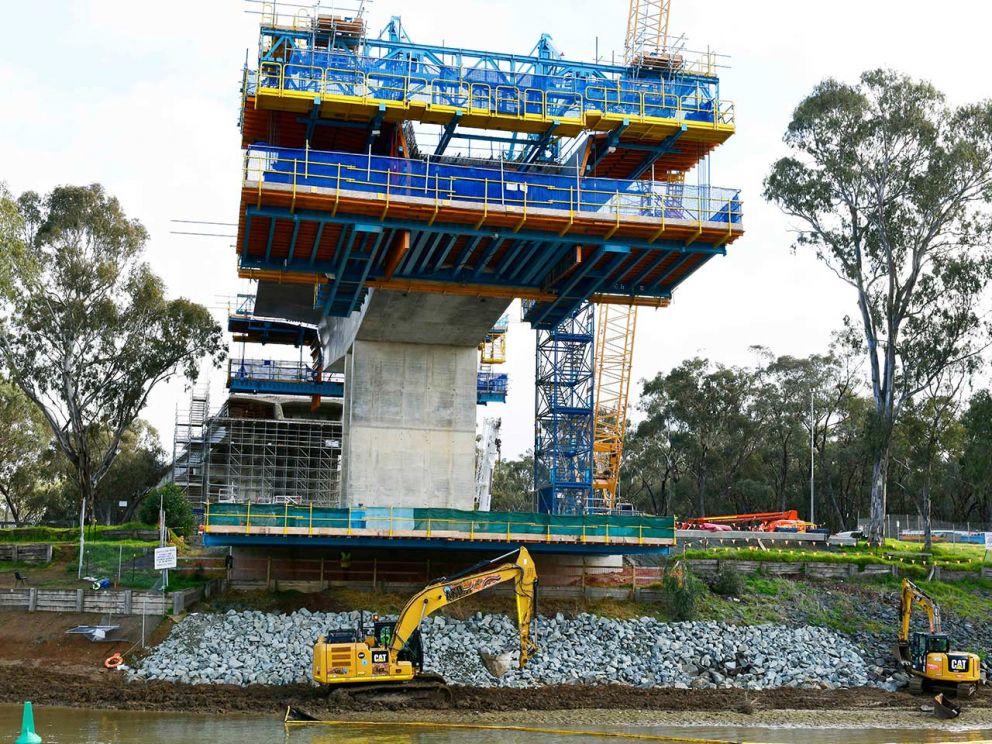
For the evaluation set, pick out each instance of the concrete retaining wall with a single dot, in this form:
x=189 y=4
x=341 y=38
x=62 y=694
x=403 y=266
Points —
x=111 y=601
x=32 y=553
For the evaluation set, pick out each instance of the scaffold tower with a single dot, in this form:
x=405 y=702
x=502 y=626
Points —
x=563 y=419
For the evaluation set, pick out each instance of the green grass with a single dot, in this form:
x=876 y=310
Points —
x=42 y=534
x=955 y=557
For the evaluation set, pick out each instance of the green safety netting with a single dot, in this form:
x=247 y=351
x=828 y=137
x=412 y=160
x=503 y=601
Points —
x=441 y=520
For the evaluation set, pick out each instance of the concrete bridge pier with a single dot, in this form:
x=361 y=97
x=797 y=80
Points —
x=410 y=364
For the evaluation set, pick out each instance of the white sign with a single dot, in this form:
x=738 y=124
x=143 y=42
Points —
x=165 y=558
x=122 y=504
x=988 y=540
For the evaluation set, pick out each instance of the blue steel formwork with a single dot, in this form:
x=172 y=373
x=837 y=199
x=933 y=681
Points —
x=563 y=419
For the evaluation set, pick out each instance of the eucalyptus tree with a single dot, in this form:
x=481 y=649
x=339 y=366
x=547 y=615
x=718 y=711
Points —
x=890 y=186
x=86 y=331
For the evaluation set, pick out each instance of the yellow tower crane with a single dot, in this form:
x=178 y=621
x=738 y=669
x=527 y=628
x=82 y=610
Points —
x=647 y=30
x=615 y=325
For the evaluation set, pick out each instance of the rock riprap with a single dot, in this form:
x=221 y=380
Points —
x=261 y=648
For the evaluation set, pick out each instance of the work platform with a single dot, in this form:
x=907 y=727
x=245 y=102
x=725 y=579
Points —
x=253 y=524
x=281 y=378
x=392 y=79
x=358 y=221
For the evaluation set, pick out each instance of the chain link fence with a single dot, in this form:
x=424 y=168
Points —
x=910 y=525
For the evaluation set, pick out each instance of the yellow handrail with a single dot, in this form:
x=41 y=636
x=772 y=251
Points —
x=461 y=94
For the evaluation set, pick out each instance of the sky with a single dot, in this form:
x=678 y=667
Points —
x=143 y=98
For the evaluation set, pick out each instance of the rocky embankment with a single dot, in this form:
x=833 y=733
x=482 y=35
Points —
x=263 y=648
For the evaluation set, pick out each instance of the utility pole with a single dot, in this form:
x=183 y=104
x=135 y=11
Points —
x=812 y=450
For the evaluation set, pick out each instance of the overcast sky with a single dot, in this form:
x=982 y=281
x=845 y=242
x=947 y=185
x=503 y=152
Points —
x=143 y=98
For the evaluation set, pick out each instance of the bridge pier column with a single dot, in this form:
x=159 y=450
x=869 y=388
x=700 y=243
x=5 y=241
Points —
x=409 y=425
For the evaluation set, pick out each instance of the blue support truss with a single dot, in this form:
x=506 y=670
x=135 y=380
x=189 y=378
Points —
x=563 y=464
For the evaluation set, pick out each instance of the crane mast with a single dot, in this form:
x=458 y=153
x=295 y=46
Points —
x=615 y=326
x=647 y=29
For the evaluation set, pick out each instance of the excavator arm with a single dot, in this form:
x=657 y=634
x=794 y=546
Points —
x=485 y=575
x=911 y=594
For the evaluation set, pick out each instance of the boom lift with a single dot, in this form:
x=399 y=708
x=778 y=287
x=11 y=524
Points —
x=927 y=656
x=391 y=657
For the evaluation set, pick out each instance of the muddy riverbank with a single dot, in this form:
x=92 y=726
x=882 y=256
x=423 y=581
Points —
x=46 y=684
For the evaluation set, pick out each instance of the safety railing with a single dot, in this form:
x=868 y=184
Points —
x=269 y=370
x=523 y=96
x=429 y=522
x=492 y=383
x=489 y=187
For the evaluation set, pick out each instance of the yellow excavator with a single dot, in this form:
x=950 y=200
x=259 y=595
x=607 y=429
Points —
x=389 y=656
x=927 y=657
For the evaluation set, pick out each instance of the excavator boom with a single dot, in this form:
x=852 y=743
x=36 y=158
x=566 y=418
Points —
x=473 y=580
x=911 y=594
x=393 y=653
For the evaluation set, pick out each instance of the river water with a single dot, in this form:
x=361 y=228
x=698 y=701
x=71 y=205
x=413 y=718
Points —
x=72 y=726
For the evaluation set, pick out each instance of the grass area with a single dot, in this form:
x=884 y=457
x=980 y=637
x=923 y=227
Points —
x=957 y=557
x=102 y=533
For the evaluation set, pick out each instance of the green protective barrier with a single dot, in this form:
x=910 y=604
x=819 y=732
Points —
x=477 y=524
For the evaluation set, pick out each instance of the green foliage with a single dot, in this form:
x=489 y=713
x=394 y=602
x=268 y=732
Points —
x=976 y=456
x=727 y=582
x=86 y=331
x=889 y=186
x=513 y=485
x=138 y=466
x=683 y=594
x=70 y=535
x=26 y=473
x=178 y=513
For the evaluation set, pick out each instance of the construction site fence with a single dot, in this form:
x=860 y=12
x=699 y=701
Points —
x=489 y=186
x=489 y=92
x=897 y=525
x=392 y=521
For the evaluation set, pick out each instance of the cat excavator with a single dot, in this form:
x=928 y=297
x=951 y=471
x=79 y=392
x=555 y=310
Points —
x=927 y=657
x=388 y=657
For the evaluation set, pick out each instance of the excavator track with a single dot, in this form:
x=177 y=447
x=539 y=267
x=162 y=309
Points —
x=425 y=689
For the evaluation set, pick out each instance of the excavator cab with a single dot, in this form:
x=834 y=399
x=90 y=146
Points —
x=922 y=644
x=412 y=652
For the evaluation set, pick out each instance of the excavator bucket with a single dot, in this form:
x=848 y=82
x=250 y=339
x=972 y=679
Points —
x=497 y=664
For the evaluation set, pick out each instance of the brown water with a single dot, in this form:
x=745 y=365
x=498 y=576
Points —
x=70 y=726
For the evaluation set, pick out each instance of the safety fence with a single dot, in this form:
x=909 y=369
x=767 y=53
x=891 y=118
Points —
x=270 y=370
x=370 y=80
x=493 y=186
x=443 y=523
x=491 y=387
x=910 y=527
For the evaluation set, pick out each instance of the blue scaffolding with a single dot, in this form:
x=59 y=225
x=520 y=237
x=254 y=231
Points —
x=563 y=442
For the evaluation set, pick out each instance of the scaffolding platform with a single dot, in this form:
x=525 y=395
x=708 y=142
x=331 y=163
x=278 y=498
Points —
x=392 y=79
x=375 y=221
x=281 y=378
x=252 y=524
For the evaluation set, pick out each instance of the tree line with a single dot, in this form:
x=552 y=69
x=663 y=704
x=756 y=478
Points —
x=714 y=439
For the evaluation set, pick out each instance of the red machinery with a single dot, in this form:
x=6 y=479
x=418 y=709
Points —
x=758 y=522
